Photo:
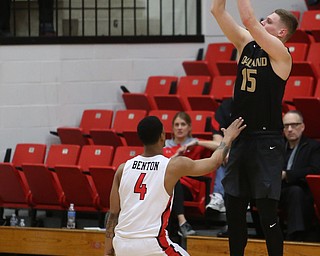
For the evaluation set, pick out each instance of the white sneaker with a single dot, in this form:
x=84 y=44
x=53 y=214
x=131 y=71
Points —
x=216 y=203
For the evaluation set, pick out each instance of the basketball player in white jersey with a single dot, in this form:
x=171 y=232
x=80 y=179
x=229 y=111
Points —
x=142 y=191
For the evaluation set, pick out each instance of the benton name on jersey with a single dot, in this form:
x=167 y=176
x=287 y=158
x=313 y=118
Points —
x=145 y=166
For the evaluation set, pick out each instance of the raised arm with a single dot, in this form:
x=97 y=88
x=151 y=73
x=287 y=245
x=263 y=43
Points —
x=269 y=36
x=114 y=210
x=235 y=33
x=184 y=166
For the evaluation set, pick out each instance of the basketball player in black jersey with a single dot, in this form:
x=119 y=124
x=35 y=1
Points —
x=256 y=157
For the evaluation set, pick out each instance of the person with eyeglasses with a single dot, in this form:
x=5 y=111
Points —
x=302 y=158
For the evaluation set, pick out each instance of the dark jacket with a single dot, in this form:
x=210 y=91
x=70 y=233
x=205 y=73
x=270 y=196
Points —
x=306 y=161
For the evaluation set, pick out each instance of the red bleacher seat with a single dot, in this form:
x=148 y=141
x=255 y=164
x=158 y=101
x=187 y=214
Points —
x=125 y=153
x=304 y=68
x=298 y=50
x=156 y=85
x=311 y=22
x=314 y=185
x=123 y=131
x=207 y=67
x=201 y=124
x=314 y=57
x=45 y=187
x=317 y=90
x=166 y=117
x=298 y=86
x=296 y=13
x=98 y=162
x=102 y=177
x=187 y=85
x=14 y=188
x=76 y=181
x=310 y=109
x=227 y=68
x=91 y=118
x=221 y=88
x=301 y=36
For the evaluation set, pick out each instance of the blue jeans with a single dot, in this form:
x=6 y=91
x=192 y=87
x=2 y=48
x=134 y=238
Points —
x=218 y=188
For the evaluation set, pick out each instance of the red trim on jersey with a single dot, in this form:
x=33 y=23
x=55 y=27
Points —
x=162 y=237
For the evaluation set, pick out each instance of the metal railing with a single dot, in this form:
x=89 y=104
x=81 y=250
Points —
x=111 y=18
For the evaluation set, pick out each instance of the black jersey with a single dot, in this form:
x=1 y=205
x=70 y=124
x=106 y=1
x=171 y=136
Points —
x=258 y=91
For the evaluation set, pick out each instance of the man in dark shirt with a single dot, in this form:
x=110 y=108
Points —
x=302 y=158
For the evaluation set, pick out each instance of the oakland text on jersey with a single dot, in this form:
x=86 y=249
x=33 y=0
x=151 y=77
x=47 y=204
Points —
x=257 y=62
x=145 y=166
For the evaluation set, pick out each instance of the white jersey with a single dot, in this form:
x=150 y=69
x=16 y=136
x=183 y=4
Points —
x=145 y=207
x=144 y=202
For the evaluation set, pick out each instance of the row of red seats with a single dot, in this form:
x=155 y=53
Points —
x=180 y=94
x=309 y=27
x=69 y=174
x=106 y=127
x=218 y=61
x=198 y=93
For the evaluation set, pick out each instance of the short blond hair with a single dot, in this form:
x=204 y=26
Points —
x=289 y=20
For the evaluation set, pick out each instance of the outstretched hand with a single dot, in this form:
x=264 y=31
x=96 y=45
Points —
x=234 y=129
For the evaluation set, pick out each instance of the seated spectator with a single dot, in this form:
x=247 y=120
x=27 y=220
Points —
x=182 y=143
x=302 y=158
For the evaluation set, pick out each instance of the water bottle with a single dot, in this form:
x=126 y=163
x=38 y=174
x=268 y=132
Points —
x=13 y=220
x=71 y=222
x=22 y=223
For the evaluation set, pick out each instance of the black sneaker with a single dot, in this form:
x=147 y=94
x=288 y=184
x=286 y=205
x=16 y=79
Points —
x=186 y=230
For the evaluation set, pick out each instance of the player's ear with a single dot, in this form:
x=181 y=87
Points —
x=283 y=33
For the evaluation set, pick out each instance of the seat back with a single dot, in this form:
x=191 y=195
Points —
x=301 y=36
x=304 y=68
x=62 y=154
x=310 y=20
x=298 y=50
x=103 y=179
x=192 y=85
x=14 y=191
x=218 y=52
x=201 y=123
x=78 y=188
x=313 y=57
x=166 y=117
x=298 y=86
x=14 y=188
x=91 y=118
x=310 y=109
x=95 y=155
x=227 y=68
x=29 y=153
x=126 y=122
x=187 y=85
x=297 y=14
x=45 y=187
x=96 y=118
x=127 y=119
x=160 y=85
x=317 y=90
x=222 y=87
x=124 y=153
x=314 y=185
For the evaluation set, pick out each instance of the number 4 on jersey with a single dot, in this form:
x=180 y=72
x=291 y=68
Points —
x=141 y=188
